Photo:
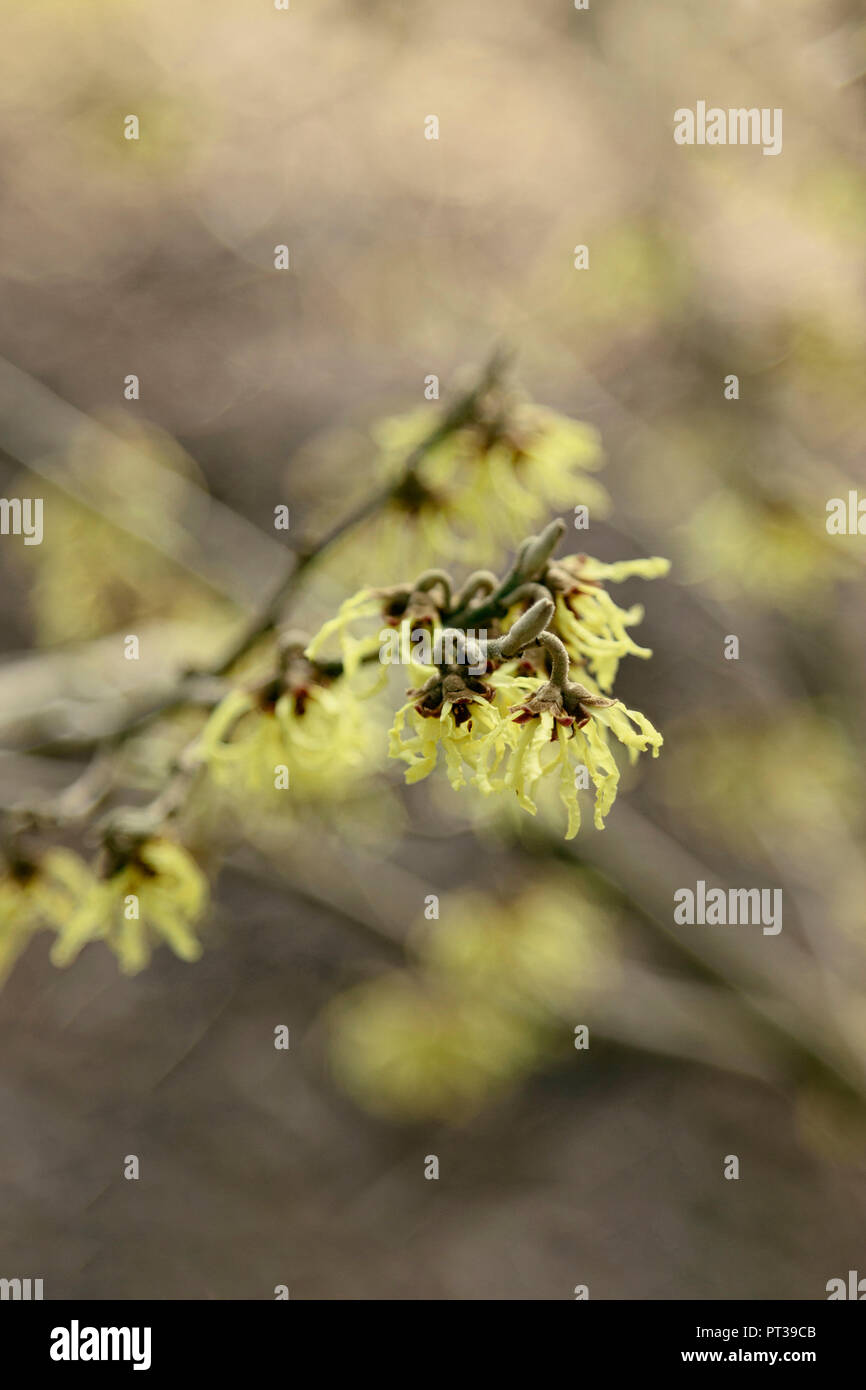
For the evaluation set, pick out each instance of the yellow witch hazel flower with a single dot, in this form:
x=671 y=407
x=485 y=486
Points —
x=459 y=712
x=37 y=893
x=406 y=608
x=473 y=492
x=475 y=1016
x=150 y=893
x=550 y=945
x=410 y=1054
x=765 y=552
x=592 y=626
x=303 y=732
x=95 y=573
x=506 y=729
x=367 y=603
x=555 y=740
x=456 y=715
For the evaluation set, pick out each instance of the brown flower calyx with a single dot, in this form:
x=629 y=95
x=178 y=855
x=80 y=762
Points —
x=19 y=867
x=412 y=495
x=123 y=832
x=296 y=675
x=567 y=703
x=457 y=688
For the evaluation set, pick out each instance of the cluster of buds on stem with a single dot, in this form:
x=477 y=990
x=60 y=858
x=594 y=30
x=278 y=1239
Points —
x=539 y=621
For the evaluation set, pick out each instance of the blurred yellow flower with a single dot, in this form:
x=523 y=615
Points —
x=36 y=894
x=547 y=946
x=774 y=777
x=311 y=742
x=483 y=1008
x=409 y=1054
x=154 y=893
x=91 y=575
x=770 y=554
x=477 y=491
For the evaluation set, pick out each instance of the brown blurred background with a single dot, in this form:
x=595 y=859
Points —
x=411 y=257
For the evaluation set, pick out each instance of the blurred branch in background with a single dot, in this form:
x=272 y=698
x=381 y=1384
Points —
x=231 y=556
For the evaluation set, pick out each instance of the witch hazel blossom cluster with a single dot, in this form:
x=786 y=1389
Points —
x=500 y=706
